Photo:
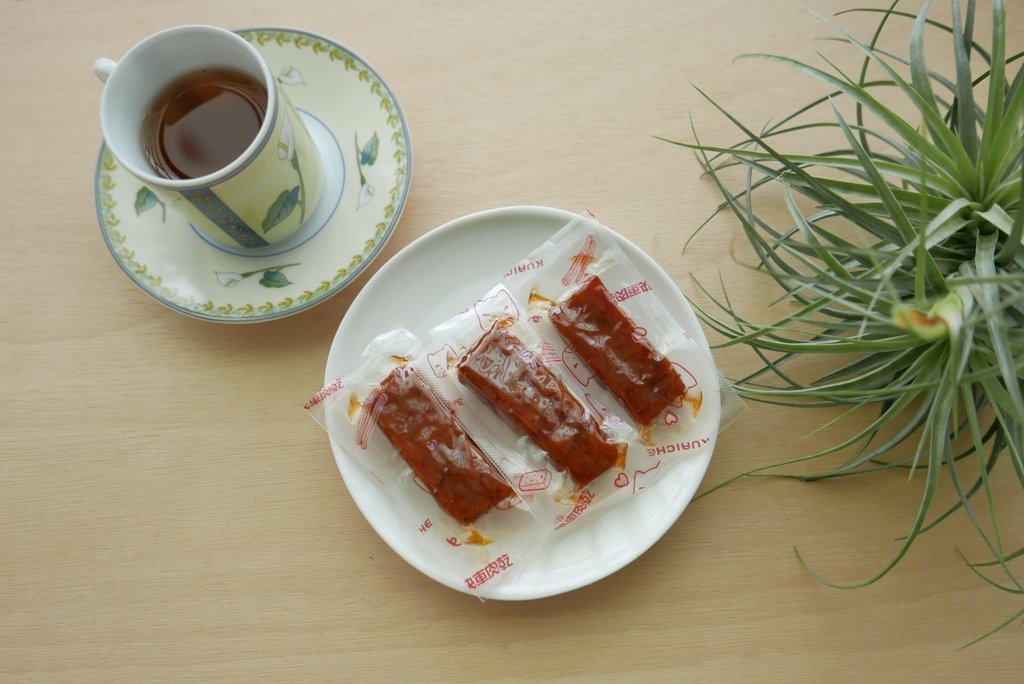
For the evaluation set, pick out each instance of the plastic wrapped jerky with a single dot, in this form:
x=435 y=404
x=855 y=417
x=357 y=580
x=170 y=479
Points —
x=443 y=482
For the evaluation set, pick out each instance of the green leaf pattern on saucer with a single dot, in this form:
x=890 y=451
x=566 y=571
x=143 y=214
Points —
x=146 y=199
x=272 y=276
x=366 y=156
x=326 y=77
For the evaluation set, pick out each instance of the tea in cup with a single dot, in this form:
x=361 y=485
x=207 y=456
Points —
x=195 y=113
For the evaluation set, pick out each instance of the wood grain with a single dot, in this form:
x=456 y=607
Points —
x=168 y=512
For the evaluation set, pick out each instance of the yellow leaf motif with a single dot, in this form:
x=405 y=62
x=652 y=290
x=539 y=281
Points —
x=286 y=302
x=356 y=260
x=364 y=75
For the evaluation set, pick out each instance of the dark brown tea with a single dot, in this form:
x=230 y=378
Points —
x=202 y=121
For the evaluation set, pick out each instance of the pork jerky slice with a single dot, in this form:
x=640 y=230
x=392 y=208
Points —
x=601 y=334
x=437 y=448
x=532 y=398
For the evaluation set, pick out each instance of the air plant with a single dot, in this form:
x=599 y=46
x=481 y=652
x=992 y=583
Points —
x=906 y=274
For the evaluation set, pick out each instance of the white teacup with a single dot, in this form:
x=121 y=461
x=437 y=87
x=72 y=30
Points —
x=261 y=198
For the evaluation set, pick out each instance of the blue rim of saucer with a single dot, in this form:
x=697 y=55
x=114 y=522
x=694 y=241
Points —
x=352 y=274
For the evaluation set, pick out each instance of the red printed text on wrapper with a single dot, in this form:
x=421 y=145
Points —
x=678 y=447
x=489 y=571
x=327 y=391
x=586 y=498
x=631 y=291
x=523 y=268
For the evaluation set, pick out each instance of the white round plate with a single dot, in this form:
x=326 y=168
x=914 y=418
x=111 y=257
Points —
x=448 y=267
x=357 y=123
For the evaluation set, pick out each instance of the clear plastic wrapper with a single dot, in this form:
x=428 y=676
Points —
x=635 y=346
x=441 y=479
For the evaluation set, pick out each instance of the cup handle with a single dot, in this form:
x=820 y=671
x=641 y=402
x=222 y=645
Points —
x=103 y=68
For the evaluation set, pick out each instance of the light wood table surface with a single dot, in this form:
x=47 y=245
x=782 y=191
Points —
x=169 y=513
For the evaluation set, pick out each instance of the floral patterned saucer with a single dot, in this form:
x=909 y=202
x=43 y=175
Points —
x=359 y=126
